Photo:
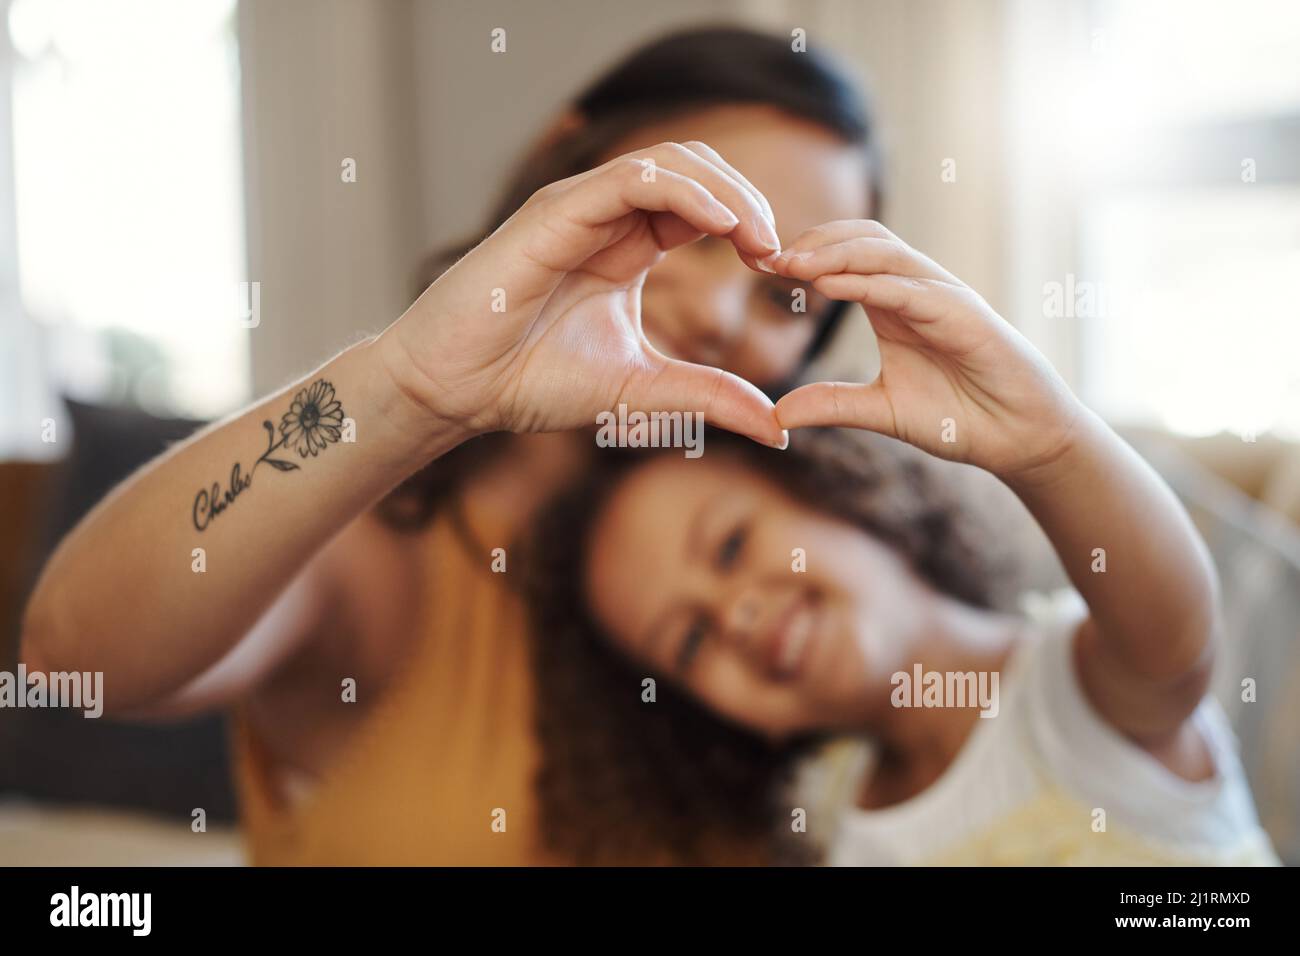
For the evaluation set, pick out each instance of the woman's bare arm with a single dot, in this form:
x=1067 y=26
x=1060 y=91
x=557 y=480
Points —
x=161 y=580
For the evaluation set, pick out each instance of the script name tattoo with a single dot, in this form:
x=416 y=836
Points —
x=313 y=422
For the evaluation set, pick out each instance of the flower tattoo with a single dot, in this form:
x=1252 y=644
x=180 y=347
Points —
x=313 y=422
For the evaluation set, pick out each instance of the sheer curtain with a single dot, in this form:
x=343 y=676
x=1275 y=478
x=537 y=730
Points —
x=24 y=393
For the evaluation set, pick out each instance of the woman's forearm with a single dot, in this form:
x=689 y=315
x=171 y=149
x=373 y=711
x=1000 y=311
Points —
x=162 y=579
x=1130 y=549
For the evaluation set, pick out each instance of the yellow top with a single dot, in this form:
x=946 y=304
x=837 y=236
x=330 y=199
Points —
x=441 y=772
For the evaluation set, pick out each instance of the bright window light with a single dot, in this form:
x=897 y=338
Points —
x=129 y=197
x=1195 y=240
x=1201 y=332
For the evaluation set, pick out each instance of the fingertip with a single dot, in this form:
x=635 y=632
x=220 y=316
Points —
x=765 y=264
x=781 y=442
x=794 y=262
x=725 y=216
x=787 y=413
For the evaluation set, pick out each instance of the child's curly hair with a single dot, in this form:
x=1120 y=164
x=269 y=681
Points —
x=674 y=783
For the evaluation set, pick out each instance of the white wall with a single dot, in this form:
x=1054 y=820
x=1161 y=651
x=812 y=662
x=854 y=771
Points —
x=325 y=80
x=477 y=110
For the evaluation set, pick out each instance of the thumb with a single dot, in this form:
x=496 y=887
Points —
x=838 y=403
x=726 y=400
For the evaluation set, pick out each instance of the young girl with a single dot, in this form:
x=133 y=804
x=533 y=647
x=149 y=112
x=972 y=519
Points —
x=776 y=597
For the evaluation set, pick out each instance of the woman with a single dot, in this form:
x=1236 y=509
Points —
x=707 y=617
x=378 y=657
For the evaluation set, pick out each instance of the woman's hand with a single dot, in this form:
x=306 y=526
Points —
x=539 y=328
x=956 y=380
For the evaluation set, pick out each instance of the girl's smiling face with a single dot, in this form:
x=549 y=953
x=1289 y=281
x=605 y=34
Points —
x=701 y=303
x=692 y=571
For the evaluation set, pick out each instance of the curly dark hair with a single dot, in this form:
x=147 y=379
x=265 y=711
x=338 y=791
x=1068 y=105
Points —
x=674 y=782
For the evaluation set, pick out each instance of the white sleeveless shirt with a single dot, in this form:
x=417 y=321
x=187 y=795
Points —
x=1048 y=782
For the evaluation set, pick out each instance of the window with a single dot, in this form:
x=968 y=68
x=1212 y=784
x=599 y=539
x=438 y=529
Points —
x=1207 y=336
x=128 y=199
x=1189 y=216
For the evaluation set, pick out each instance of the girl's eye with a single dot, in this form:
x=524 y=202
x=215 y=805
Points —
x=731 y=547
x=690 y=644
